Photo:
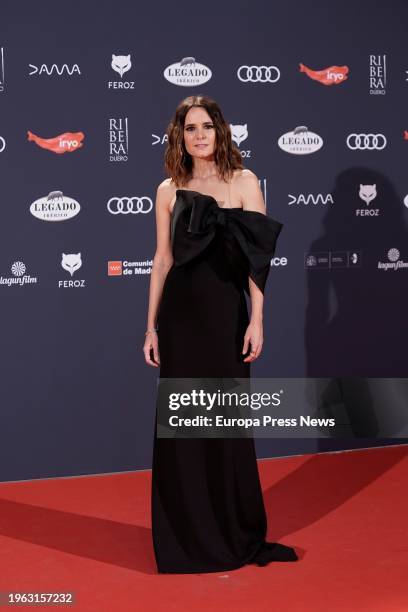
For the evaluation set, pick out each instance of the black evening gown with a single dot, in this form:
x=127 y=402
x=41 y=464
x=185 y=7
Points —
x=207 y=507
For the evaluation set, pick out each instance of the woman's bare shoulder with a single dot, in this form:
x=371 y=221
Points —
x=166 y=191
x=247 y=185
x=244 y=175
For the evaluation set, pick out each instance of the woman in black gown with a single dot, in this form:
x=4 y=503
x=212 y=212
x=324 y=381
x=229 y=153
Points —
x=207 y=507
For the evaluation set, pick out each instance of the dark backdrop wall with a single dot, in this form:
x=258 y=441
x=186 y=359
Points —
x=86 y=92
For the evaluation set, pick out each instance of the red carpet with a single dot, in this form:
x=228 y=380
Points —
x=345 y=513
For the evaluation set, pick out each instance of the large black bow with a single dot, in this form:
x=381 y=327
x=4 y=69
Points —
x=195 y=220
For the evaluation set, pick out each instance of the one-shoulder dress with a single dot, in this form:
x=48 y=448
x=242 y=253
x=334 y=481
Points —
x=207 y=507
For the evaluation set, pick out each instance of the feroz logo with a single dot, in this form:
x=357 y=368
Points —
x=187 y=73
x=300 y=141
x=258 y=74
x=55 y=207
x=129 y=205
x=64 y=143
x=71 y=262
x=328 y=76
x=367 y=193
x=54 y=70
x=239 y=133
x=121 y=64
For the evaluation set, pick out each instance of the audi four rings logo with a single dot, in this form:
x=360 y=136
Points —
x=366 y=141
x=258 y=74
x=127 y=205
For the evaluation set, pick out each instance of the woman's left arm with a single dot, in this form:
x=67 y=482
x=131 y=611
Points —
x=254 y=332
x=252 y=199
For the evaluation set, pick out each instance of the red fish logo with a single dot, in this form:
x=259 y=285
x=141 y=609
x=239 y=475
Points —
x=64 y=143
x=328 y=76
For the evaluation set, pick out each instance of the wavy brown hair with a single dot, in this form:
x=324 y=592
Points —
x=178 y=163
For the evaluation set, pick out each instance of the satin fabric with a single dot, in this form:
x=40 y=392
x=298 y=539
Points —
x=250 y=236
x=207 y=507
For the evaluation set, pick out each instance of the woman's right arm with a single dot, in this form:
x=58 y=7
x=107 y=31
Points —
x=162 y=262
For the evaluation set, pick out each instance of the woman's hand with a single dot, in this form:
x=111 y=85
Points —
x=151 y=343
x=253 y=336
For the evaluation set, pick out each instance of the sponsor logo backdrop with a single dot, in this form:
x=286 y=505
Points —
x=86 y=93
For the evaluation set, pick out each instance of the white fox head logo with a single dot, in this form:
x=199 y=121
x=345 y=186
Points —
x=71 y=262
x=121 y=63
x=367 y=193
x=239 y=133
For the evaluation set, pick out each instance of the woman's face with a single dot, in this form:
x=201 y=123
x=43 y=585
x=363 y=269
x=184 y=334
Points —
x=199 y=133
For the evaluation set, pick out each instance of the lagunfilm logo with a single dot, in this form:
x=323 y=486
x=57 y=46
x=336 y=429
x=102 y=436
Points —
x=394 y=262
x=300 y=141
x=20 y=278
x=55 y=207
x=187 y=73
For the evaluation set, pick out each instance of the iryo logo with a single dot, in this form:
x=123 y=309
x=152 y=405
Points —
x=64 y=143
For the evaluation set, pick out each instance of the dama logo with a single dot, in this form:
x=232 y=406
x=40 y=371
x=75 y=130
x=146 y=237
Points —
x=328 y=76
x=54 y=70
x=114 y=268
x=64 y=143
